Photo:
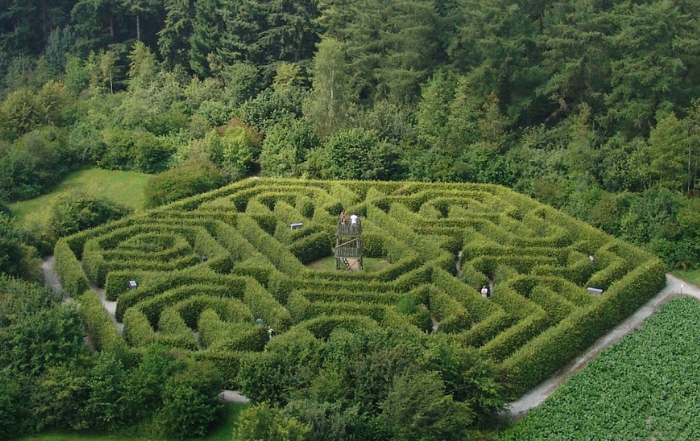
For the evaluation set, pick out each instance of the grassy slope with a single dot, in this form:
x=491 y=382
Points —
x=122 y=187
x=692 y=276
x=644 y=387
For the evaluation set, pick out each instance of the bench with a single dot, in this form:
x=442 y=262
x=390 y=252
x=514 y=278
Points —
x=296 y=225
x=594 y=291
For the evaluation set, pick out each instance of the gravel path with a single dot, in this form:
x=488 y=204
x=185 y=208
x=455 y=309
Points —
x=48 y=267
x=675 y=287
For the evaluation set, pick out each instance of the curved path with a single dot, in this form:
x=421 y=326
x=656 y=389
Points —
x=675 y=287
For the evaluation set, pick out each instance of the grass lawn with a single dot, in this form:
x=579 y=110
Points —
x=692 y=276
x=222 y=433
x=123 y=187
x=372 y=264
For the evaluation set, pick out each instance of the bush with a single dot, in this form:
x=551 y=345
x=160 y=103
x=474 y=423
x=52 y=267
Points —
x=69 y=271
x=78 y=211
x=192 y=177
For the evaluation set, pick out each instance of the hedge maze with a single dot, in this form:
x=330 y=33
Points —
x=443 y=242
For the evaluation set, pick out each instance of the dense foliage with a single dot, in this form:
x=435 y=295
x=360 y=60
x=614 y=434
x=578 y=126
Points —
x=643 y=387
x=51 y=379
x=590 y=107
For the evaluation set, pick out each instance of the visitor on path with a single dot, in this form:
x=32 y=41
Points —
x=485 y=293
x=204 y=258
x=353 y=219
x=342 y=217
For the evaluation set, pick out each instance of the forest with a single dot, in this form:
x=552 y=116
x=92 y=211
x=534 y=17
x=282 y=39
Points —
x=592 y=107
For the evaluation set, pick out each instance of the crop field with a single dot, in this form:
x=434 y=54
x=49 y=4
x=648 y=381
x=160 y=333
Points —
x=438 y=244
x=644 y=387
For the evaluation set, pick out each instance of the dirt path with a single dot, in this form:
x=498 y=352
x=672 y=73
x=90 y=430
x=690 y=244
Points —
x=675 y=287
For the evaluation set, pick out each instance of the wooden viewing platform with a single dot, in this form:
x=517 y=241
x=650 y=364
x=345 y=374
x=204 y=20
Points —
x=348 y=245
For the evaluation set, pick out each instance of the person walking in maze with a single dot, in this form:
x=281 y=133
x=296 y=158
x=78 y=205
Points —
x=342 y=217
x=353 y=219
x=485 y=292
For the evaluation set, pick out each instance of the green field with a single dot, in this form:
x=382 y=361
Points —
x=123 y=187
x=644 y=387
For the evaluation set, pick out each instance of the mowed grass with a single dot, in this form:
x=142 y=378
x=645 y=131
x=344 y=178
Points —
x=371 y=264
x=692 y=276
x=123 y=187
x=222 y=433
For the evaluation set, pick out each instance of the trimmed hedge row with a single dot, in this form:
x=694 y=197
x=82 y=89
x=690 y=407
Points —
x=138 y=331
x=117 y=282
x=273 y=250
x=488 y=329
x=99 y=326
x=229 y=309
x=174 y=331
x=152 y=306
x=450 y=314
x=537 y=360
x=322 y=327
x=311 y=248
x=508 y=341
x=216 y=334
x=263 y=305
x=68 y=269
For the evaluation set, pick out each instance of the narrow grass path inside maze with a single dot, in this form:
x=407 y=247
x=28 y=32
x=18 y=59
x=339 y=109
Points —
x=227 y=274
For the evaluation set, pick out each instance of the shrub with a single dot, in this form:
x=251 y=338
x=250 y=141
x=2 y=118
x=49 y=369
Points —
x=192 y=177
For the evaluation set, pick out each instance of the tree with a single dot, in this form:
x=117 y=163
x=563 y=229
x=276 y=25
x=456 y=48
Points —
x=173 y=39
x=263 y=422
x=285 y=148
x=17 y=259
x=417 y=408
x=668 y=151
x=327 y=105
x=192 y=177
x=360 y=154
x=78 y=211
x=190 y=402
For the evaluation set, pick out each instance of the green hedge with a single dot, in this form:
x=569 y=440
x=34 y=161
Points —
x=515 y=337
x=174 y=331
x=100 y=328
x=138 y=331
x=94 y=264
x=263 y=305
x=450 y=314
x=68 y=269
x=231 y=310
x=487 y=329
x=537 y=360
x=311 y=248
x=556 y=307
x=153 y=306
x=322 y=327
